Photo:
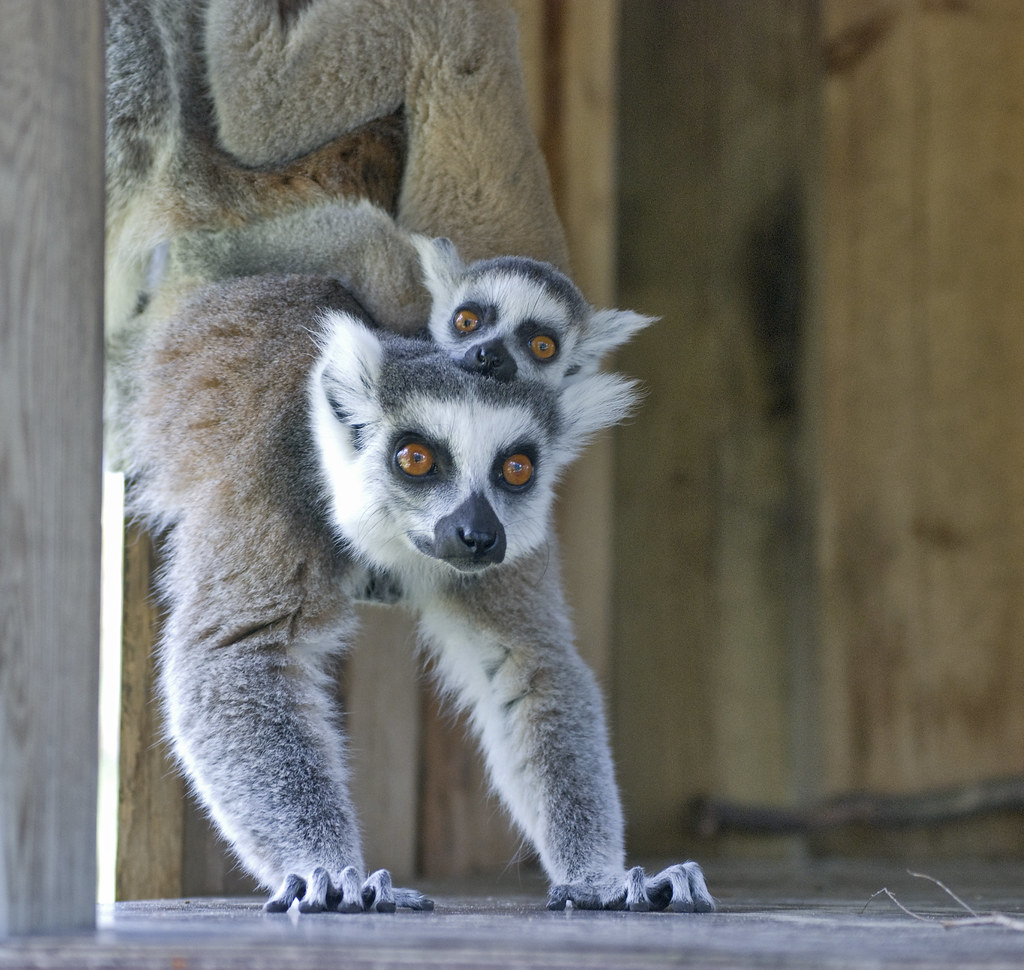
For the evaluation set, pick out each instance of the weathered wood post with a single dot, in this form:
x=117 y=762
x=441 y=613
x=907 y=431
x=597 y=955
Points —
x=51 y=271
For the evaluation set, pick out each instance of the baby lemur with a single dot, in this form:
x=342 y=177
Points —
x=287 y=443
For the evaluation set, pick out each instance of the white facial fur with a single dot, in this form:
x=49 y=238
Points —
x=471 y=423
x=516 y=299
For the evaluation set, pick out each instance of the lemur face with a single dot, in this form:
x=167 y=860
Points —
x=508 y=317
x=513 y=317
x=428 y=466
x=470 y=488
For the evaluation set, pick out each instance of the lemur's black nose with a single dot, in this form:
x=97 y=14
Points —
x=471 y=536
x=480 y=542
x=491 y=358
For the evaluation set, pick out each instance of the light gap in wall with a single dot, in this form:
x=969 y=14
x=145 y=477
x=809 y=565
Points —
x=110 y=683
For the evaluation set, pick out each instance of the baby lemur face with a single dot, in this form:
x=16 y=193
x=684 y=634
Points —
x=513 y=317
x=429 y=467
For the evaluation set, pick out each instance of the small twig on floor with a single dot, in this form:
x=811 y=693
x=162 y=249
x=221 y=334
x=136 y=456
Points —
x=888 y=892
x=992 y=919
x=974 y=919
x=949 y=892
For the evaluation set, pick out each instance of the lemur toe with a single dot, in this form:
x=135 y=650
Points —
x=291 y=889
x=679 y=888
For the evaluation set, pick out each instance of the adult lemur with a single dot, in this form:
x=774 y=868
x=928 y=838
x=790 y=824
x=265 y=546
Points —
x=291 y=450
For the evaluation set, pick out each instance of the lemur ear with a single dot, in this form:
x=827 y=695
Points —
x=349 y=367
x=442 y=268
x=593 y=402
x=604 y=332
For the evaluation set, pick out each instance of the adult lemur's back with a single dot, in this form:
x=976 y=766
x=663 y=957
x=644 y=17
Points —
x=223 y=114
x=295 y=456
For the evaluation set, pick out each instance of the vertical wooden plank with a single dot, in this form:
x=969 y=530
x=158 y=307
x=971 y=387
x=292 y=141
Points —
x=462 y=830
x=871 y=448
x=532 y=21
x=383 y=698
x=766 y=179
x=922 y=529
x=207 y=867
x=664 y=609
x=718 y=158
x=969 y=524
x=151 y=795
x=51 y=231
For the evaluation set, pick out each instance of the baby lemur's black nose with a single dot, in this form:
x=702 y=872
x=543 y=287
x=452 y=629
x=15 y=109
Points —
x=471 y=536
x=491 y=358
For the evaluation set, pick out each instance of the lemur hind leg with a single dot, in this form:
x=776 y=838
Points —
x=283 y=84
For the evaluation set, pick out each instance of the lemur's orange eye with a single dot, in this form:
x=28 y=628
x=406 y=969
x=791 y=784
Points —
x=517 y=470
x=415 y=459
x=466 y=321
x=543 y=347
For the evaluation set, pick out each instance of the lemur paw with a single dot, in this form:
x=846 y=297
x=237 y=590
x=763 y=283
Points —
x=680 y=888
x=375 y=586
x=347 y=893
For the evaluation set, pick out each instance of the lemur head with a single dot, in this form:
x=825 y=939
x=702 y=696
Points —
x=516 y=317
x=429 y=467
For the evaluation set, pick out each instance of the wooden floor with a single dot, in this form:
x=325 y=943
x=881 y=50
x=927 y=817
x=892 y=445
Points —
x=819 y=915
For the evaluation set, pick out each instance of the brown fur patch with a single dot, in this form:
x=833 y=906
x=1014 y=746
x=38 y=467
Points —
x=367 y=163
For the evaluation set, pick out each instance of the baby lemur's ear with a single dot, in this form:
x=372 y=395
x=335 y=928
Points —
x=348 y=368
x=442 y=268
x=604 y=332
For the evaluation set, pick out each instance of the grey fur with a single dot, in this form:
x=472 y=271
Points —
x=257 y=415
x=350 y=241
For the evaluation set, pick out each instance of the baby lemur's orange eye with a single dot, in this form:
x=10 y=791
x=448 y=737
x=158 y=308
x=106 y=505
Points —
x=466 y=321
x=543 y=347
x=415 y=459
x=517 y=470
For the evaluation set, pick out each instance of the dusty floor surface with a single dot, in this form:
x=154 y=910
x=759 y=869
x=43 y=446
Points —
x=819 y=915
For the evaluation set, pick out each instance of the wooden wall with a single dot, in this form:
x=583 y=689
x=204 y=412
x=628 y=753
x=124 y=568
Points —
x=51 y=303
x=825 y=202
x=718 y=169
x=921 y=518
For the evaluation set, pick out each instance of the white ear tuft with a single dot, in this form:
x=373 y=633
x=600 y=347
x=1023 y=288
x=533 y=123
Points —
x=604 y=332
x=350 y=362
x=594 y=402
x=441 y=265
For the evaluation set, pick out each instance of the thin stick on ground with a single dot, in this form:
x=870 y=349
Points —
x=888 y=892
x=974 y=919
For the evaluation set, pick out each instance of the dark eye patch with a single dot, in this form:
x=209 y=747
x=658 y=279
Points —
x=470 y=319
x=543 y=341
x=416 y=459
x=515 y=469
